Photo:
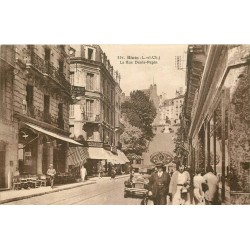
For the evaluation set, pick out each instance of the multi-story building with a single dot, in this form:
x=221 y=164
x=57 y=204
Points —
x=216 y=115
x=170 y=110
x=8 y=133
x=95 y=115
x=34 y=105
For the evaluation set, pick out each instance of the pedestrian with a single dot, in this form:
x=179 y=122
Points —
x=113 y=173
x=158 y=186
x=212 y=192
x=83 y=173
x=199 y=198
x=100 y=170
x=51 y=173
x=179 y=187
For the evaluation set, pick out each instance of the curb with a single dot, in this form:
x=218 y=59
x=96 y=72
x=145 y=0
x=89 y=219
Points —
x=54 y=190
x=45 y=192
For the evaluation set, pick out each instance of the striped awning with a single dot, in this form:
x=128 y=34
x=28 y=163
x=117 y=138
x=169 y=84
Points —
x=77 y=155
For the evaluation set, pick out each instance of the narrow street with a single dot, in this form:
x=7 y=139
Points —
x=104 y=192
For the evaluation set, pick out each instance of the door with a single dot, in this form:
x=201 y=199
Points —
x=2 y=170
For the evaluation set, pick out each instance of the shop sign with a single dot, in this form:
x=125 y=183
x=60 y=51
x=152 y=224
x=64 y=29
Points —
x=161 y=158
x=77 y=91
x=27 y=154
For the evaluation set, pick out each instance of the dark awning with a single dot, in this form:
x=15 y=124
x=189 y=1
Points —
x=60 y=137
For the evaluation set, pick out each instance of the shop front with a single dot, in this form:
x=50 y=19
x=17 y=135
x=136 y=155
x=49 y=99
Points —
x=219 y=129
x=38 y=147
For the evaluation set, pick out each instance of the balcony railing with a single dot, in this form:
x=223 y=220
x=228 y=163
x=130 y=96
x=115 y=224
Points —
x=92 y=118
x=46 y=68
x=7 y=54
x=35 y=61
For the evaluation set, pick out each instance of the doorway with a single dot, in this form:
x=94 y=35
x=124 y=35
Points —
x=2 y=167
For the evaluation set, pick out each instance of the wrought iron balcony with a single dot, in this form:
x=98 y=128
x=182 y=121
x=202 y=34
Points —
x=35 y=62
x=57 y=76
x=7 y=55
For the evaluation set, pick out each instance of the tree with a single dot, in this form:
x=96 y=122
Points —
x=140 y=112
x=132 y=140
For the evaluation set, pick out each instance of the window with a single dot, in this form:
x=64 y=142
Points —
x=72 y=78
x=29 y=99
x=2 y=96
x=46 y=108
x=71 y=110
x=90 y=81
x=90 y=133
x=90 y=108
x=47 y=54
x=61 y=66
x=60 y=116
x=90 y=54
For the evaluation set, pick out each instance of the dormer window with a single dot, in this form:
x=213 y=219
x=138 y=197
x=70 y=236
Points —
x=90 y=54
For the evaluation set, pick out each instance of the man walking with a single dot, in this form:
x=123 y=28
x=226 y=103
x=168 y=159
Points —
x=51 y=173
x=212 y=194
x=83 y=173
x=158 y=186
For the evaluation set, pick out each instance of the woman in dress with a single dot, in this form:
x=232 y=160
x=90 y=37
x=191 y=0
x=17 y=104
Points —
x=198 y=193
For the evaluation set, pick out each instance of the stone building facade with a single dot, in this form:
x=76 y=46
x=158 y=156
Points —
x=36 y=123
x=95 y=116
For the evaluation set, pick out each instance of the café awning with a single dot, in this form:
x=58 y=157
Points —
x=60 y=137
x=98 y=153
x=77 y=155
x=123 y=156
x=115 y=159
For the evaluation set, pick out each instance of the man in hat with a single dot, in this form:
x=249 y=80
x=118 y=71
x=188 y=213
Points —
x=158 y=186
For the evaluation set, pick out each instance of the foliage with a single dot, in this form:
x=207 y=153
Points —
x=140 y=112
x=132 y=140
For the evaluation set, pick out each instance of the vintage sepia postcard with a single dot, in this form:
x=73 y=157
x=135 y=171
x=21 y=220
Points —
x=99 y=124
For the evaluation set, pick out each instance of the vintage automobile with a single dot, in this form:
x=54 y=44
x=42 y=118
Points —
x=137 y=184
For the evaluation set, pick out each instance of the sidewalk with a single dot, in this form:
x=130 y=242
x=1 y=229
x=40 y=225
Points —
x=15 y=195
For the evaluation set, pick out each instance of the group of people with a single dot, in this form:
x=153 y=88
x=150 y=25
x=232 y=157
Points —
x=181 y=186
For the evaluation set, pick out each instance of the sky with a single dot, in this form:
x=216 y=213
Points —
x=139 y=76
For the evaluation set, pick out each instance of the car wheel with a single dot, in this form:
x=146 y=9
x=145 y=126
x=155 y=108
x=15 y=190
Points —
x=125 y=195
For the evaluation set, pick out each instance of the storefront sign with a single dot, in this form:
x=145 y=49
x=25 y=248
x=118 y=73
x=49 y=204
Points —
x=27 y=154
x=161 y=158
x=77 y=91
